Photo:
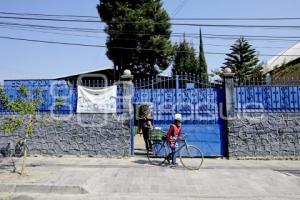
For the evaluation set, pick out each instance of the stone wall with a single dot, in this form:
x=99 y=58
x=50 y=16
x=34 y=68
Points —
x=266 y=135
x=78 y=134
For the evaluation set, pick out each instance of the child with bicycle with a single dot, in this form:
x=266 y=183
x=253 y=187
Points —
x=173 y=135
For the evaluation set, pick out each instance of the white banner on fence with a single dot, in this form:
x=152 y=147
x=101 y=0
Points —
x=97 y=100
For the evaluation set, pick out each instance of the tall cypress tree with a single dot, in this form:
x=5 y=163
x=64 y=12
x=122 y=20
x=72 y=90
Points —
x=242 y=60
x=202 y=66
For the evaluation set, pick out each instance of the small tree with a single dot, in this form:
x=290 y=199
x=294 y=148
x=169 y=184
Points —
x=25 y=107
x=257 y=72
x=242 y=60
x=185 y=59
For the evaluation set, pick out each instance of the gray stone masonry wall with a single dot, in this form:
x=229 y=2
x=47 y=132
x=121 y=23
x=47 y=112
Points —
x=80 y=134
x=266 y=135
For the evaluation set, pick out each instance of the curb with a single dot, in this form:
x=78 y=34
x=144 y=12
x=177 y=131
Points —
x=46 y=189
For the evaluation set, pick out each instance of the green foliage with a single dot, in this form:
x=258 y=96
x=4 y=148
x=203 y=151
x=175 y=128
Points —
x=29 y=128
x=25 y=107
x=287 y=70
x=22 y=107
x=11 y=125
x=185 y=59
x=257 y=72
x=202 y=66
x=243 y=60
x=23 y=90
x=3 y=97
x=36 y=94
x=59 y=101
x=142 y=29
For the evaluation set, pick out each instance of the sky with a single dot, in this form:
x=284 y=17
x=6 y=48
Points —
x=27 y=60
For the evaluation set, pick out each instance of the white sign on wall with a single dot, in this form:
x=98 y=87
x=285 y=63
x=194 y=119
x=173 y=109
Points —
x=102 y=100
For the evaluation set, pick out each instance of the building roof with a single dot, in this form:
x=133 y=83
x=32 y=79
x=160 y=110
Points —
x=102 y=70
x=283 y=57
x=108 y=71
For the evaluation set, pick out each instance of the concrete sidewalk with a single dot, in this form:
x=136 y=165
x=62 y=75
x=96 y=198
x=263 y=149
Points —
x=133 y=178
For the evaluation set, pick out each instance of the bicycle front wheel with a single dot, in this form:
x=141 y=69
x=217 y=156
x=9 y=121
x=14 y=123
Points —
x=191 y=157
x=158 y=154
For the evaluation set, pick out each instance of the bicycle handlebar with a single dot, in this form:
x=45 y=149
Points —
x=183 y=136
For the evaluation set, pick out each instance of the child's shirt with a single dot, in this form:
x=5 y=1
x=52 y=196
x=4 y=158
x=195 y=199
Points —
x=173 y=135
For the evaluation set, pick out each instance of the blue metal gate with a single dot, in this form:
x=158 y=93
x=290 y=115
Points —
x=199 y=102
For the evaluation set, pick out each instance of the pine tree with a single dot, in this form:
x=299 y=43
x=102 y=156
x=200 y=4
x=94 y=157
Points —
x=185 y=59
x=242 y=60
x=202 y=66
x=138 y=35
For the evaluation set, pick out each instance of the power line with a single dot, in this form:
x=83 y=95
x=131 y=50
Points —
x=212 y=36
x=52 y=42
x=174 y=24
x=129 y=39
x=256 y=47
x=236 y=26
x=193 y=35
x=254 y=36
x=124 y=48
x=51 y=32
x=259 y=39
x=48 y=15
x=191 y=19
x=180 y=34
x=63 y=28
x=179 y=7
x=56 y=20
x=239 y=19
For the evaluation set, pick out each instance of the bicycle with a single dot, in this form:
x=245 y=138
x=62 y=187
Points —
x=191 y=157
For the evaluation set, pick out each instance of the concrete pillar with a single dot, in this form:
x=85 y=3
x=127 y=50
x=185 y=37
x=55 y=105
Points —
x=127 y=93
x=229 y=111
x=228 y=78
x=127 y=107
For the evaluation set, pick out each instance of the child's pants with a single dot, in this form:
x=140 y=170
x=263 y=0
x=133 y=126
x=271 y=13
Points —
x=173 y=154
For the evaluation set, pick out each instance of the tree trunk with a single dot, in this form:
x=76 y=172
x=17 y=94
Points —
x=24 y=158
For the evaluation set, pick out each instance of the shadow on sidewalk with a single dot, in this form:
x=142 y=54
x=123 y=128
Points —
x=141 y=162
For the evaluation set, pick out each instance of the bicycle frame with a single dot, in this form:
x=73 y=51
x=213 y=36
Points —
x=162 y=152
x=177 y=149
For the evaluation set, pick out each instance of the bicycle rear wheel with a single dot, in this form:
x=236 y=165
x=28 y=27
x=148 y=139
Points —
x=191 y=157
x=158 y=154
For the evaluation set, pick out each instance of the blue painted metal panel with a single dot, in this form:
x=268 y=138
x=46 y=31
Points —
x=209 y=138
x=267 y=98
x=200 y=108
x=50 y=91
x=199 y=104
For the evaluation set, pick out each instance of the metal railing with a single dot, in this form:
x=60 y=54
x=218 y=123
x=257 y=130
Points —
x=262 y=95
